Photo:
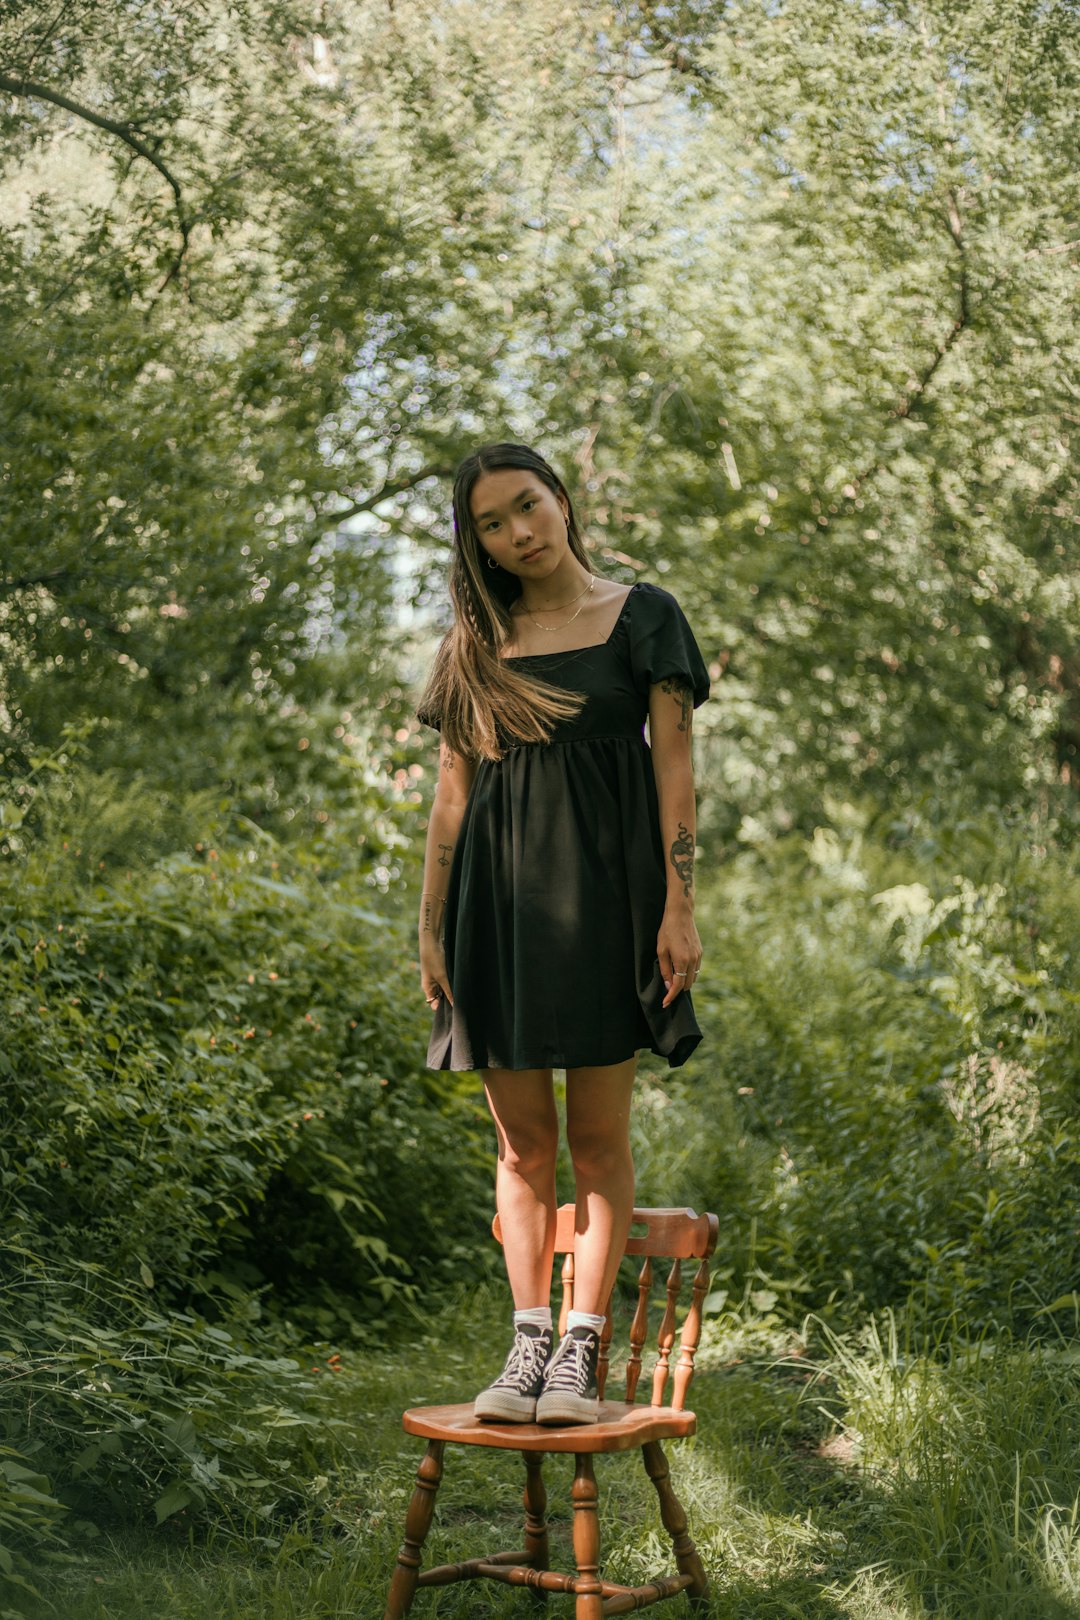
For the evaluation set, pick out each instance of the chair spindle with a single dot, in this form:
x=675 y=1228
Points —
x=691 y=1333
x=639 y=1328
x=567 y=1291
x=666 y=1337
x=605 y=1349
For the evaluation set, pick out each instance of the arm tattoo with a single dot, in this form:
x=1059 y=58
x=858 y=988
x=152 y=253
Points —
x=682 y=857
x=683 y=697
x=444 y=854
x=431 y=918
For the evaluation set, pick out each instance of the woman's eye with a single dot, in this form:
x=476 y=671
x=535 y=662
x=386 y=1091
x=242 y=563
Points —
x=525 y=507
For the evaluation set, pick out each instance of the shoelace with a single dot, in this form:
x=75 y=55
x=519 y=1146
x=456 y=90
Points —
x=569 y=1368
x=526 y=1359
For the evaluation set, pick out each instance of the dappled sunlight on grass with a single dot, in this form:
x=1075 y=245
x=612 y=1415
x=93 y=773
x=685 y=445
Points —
x=832 y=1478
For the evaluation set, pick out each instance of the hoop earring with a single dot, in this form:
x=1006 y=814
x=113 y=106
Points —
x=492 y=563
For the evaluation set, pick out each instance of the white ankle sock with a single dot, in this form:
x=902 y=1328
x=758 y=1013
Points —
x=538 y=1315
x=585 y=1319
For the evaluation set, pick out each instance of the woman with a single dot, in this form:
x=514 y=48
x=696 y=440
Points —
x=557 y=916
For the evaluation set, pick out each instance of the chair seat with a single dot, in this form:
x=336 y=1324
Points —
x=621 y=1427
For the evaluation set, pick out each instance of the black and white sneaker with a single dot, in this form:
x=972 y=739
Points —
x=570 y=1393
x=512 y=1397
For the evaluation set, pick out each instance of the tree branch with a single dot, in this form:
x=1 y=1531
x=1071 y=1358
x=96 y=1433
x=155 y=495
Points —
x=680 y=58
x=398 y=487
x=124 y=132
x=9 y=586
x=1058 y=247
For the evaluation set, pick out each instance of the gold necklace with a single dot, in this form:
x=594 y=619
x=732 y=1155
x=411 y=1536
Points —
x=587 y=591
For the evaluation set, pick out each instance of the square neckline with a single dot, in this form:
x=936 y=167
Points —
x=519 y=658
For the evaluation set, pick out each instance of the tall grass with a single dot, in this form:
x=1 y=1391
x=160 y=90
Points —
x=833 y=1477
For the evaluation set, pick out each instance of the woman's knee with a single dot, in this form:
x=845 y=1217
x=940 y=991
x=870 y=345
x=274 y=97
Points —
x=522 y=1106
x=598 y=1120
x=599 y=1151
x=529 y=1151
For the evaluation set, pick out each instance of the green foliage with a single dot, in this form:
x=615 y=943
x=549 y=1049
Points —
x=28 y=1513
x=127 y=1408
x=219 y=1143
x=228 y=1018
x=792 y=304
x=890 y=1069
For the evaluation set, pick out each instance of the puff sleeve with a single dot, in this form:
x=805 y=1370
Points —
x=662 y=644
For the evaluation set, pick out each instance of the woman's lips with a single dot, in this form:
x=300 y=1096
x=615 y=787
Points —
x=527 y=556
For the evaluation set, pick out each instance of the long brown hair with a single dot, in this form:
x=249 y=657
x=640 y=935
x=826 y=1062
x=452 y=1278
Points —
x=477 y=696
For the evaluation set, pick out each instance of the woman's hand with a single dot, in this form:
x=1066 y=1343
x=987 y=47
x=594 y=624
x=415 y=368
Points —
x=678 y=949
x=433 y=972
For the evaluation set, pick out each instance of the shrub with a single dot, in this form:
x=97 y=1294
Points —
x=886 y=1092
x=220 y=1143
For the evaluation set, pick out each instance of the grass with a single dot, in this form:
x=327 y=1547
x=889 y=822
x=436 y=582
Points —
x=832 y=1478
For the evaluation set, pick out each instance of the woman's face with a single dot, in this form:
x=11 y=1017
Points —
x=520 y=521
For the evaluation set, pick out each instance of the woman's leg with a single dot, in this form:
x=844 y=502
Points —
x=598 y=1133
x=522 y=1103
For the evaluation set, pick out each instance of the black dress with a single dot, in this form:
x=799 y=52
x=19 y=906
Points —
x=558 y=880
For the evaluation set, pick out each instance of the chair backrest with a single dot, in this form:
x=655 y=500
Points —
x=677 y=1234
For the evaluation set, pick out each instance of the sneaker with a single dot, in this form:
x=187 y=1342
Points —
x=512 y=1397
x=570 y=1393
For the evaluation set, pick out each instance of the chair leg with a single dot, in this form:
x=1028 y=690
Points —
x=589 y=1605
x=674 y=1517
x=417 y=1524
x=536 y=1531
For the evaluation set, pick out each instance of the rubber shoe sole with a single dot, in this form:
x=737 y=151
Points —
x=503 y=1406
x=563 y=1406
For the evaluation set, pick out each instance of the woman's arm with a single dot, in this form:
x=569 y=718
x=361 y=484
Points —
x=678 y=946
x=448 y=807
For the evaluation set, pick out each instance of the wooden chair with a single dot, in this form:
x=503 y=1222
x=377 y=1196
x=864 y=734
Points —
x=679 y=1234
